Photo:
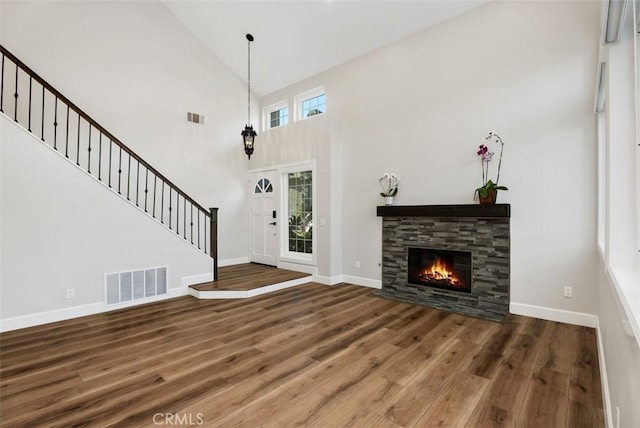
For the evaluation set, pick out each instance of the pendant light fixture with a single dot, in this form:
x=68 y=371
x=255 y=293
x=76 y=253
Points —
x=248 y=135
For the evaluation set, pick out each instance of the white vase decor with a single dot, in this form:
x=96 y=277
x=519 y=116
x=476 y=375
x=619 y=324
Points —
x=389 y=184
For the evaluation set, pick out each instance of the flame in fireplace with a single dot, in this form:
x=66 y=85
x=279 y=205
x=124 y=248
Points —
x=439 y=271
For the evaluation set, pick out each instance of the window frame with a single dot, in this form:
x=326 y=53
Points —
x=305 y=96
x=636 y=86
x=266 y=114
x=602 y=174
x=285 y=254
x=620 y=177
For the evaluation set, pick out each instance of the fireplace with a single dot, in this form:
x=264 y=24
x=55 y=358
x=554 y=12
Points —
x=470 y=244
x=445 y=269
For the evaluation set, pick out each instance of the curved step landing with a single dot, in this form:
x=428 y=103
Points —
x=248 y=280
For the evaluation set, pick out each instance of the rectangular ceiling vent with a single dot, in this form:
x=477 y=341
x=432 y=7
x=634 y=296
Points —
x=195 y=118
x=123 y=287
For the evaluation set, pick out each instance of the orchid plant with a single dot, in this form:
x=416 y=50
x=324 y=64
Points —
x=389 y=184
x=485 y=157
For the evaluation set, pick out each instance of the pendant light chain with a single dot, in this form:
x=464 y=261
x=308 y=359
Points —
x=249 y=81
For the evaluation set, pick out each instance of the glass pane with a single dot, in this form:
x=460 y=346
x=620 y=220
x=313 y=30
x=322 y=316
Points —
x=313 y=106
x=300 y=189
x=278 y=117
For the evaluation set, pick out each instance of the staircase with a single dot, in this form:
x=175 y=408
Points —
x=42 y=110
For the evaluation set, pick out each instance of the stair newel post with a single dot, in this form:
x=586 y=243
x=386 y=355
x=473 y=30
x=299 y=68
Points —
x=214 y=240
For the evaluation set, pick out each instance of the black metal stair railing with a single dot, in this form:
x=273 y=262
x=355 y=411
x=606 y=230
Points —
x=38 y=107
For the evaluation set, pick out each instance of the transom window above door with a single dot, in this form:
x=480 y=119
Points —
x=276 y=115
x=263 y=186
x=311 y=103
x=313 y=106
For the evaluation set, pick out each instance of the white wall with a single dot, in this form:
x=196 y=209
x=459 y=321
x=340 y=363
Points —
x=62 y=229
x=421 y=106
x=137 y=70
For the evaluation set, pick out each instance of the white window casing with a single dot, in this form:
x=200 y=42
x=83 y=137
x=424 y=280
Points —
x=295 y=256
x=306 y=96
x=283 y=107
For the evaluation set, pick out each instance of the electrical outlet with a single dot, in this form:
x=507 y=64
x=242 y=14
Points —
x=358 y=264
x=568 y=292
x=70 y=293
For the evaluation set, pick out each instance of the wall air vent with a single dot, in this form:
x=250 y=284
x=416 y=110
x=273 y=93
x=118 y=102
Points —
x=195 y=118
x=124 y=287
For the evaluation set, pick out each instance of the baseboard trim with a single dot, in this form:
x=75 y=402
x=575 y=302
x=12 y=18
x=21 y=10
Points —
x=244 y=294
x=231 y=262
x=364 y=282
x=47 y=317
x=186 y=281
x=328 y=280
x=551 y=314
x=311 y=270
x=604 y=381
x=281 y=286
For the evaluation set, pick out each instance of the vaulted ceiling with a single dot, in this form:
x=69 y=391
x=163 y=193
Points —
x=297 y=39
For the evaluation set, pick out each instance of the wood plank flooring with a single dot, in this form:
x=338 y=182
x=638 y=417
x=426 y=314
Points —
x=248 y=276
x=312 y=356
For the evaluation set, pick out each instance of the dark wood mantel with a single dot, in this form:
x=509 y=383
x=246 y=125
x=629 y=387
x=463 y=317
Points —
x=443 y=211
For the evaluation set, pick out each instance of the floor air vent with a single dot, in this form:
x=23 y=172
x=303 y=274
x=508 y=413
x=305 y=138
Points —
x=123 y=287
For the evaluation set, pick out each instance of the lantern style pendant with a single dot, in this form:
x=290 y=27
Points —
x=248 y=134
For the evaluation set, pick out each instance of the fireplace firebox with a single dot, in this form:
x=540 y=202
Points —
x=445 y=269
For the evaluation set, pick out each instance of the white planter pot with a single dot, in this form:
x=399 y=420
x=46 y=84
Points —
x=388 y=200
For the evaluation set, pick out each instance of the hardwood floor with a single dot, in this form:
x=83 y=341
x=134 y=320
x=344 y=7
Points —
x=308 y=356
x=248 y=276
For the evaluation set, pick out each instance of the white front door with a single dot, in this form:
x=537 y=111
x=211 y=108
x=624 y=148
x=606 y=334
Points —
x=264 y=217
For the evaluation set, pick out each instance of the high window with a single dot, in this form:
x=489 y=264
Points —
x=276 y=115
x=311 y=103
x=313 y=106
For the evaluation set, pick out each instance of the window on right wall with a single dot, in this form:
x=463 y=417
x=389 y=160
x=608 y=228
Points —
x=311 y=103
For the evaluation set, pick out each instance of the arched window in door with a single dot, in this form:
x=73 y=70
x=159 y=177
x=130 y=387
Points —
x=263 y=186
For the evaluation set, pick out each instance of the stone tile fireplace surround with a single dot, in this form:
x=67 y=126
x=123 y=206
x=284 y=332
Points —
x=483 y=230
